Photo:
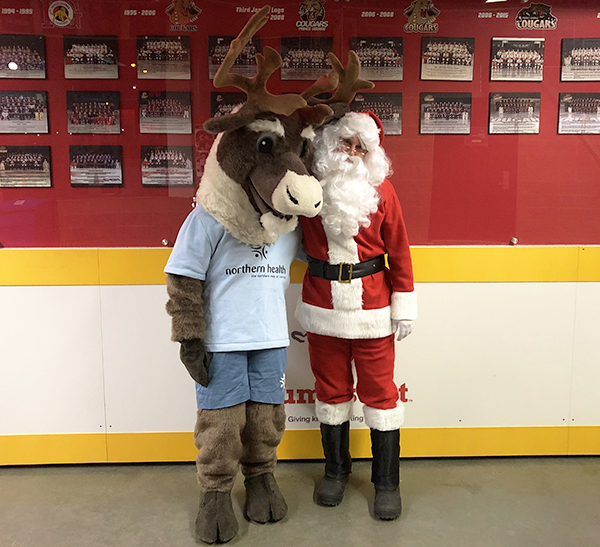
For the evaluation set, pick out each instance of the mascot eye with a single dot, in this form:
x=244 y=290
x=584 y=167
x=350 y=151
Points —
x=265 y=145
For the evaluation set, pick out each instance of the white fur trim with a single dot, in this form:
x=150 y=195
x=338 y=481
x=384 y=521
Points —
x=308 y=133
x=404 y=305
x=341 y=249
x=305 y=191
x=275 y=226
x=267 y=126
x=384 y=420
x=333 y=414
x=345 y=324
x=226 y=201
x=345 y=296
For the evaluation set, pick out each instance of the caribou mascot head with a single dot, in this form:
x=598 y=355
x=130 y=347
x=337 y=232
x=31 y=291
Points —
x=226 y=299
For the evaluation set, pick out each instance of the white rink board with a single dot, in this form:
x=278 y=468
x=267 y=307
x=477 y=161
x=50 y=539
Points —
x=147 y=387
x=50 y=361
x=585 y=388
x=481 y=355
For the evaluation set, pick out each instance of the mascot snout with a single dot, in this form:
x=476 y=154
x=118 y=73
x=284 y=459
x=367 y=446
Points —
x=298 y=194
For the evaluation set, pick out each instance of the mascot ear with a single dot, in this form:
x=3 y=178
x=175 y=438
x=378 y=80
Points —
x=230 y=122
x=315 y=115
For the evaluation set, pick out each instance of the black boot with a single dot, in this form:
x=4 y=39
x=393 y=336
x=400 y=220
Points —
x=385 y=474
x=338 y=465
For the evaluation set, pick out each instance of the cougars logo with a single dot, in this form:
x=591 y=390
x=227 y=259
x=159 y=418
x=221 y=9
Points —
x=536 y=17
x=421 y=12
x=312 y=10
x=182 y=12
x=537 y=11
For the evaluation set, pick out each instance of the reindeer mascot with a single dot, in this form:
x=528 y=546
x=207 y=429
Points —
x=226 y=279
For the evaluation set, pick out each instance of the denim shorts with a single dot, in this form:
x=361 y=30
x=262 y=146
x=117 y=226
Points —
x=235 y=377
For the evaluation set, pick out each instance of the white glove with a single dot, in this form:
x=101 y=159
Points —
x=403 y=327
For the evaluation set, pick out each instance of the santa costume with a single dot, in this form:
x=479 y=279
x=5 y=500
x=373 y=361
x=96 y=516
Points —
x=354 y=301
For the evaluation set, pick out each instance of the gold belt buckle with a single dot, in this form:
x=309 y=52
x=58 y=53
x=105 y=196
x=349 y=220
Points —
x=350 y=268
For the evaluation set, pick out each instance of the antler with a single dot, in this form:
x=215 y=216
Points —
x=325 y=82
x=350 y=83
x=256 y=88
x=223 y=77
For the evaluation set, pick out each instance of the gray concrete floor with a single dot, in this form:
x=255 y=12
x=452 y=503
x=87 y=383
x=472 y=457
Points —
x=516 y=502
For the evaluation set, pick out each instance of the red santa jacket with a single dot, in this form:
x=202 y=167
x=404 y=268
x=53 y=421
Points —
x=365 y=307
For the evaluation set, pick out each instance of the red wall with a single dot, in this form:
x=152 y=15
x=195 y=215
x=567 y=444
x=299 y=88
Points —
x=455 y=189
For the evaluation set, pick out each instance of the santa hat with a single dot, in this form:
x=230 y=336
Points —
x=365 y=125
x=377 y=122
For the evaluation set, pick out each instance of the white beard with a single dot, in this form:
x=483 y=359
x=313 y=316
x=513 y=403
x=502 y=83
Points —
x=349 y=199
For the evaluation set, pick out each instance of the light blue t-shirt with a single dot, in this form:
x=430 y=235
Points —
x=244 y=289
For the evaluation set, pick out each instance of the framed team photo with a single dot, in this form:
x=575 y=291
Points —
x=579 y=113
x=447 y=58
x=93 y=112
x=387 y=107
x=222 y=103
x=517 y=59
x=22 y=56
x=515 y=113
x=165 y=112
x=163 y=57
x=23 y=112
x=305 y=58
x=445 y=113
x=99 y=165
x=580 y=60
x=245 y=62
x=380 y=58
x=91 y=57
x=167 y=165
x=25 y=167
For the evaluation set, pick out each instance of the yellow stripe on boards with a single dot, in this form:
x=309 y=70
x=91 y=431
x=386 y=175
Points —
x=144 y=266
x=494 y=264
x=132 y=266
x=297 y=271
x=584 y=440
x=589 y=264
x=484 y=441
x=52 y=449
x=151 y=447
x=48 y=267
x=444 y=442
x=303 y=444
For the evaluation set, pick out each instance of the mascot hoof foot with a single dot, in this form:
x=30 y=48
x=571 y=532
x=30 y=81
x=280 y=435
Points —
x=264 y=502
x=216 y=522
x=387 y=505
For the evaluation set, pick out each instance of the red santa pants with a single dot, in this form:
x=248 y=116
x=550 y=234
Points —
x=330 y=360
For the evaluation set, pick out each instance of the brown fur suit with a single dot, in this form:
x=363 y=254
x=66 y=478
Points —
x=246 y=434
x=252 y=430
x=255 y=183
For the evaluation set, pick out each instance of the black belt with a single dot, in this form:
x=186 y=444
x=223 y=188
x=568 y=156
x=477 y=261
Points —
x=344 y=272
